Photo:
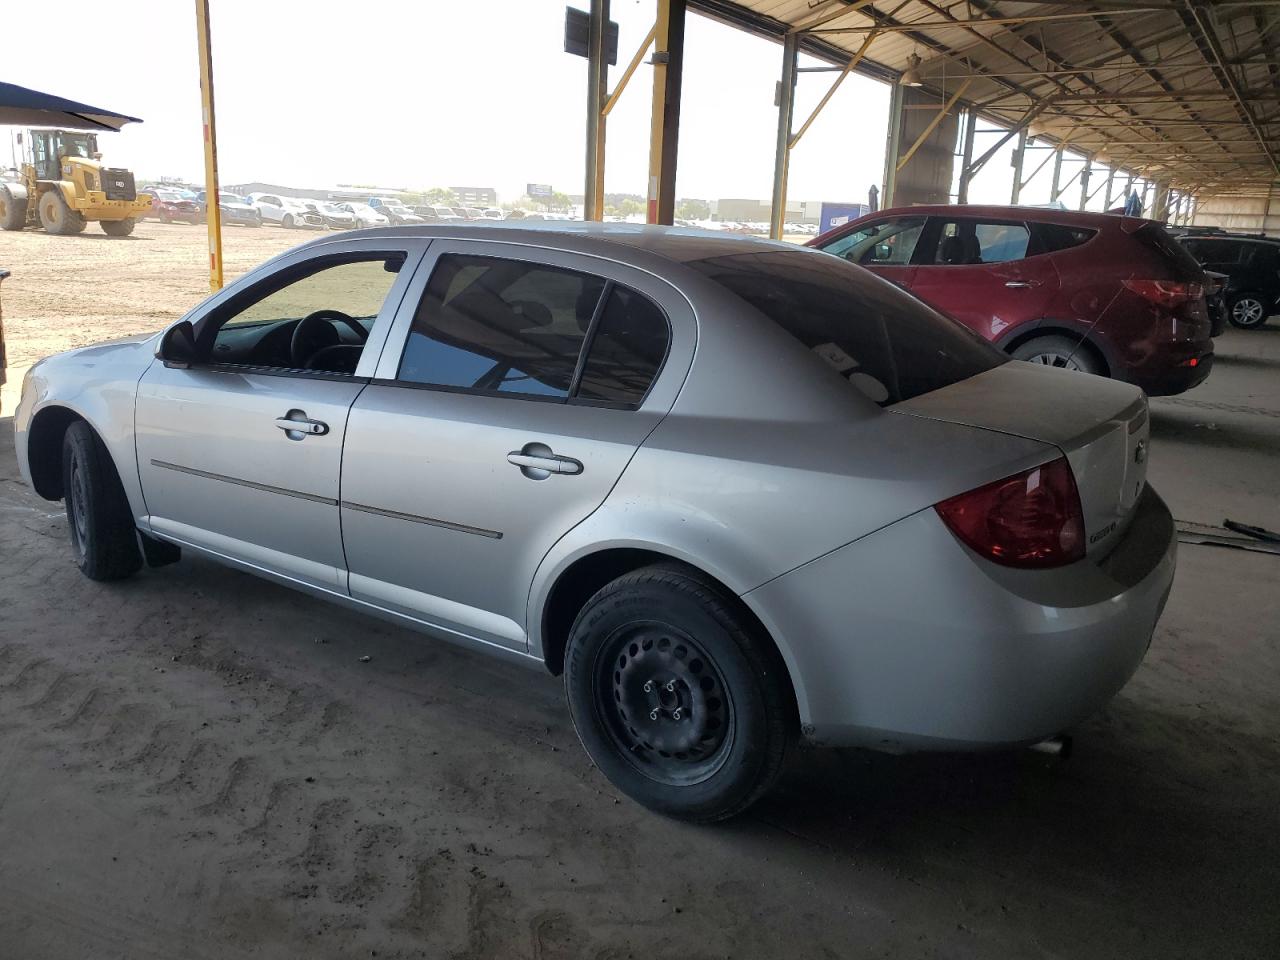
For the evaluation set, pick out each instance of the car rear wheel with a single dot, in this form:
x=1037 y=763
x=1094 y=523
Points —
x=103 y=537
x=1247 y=311
x=1062 y=352
x=675 y=696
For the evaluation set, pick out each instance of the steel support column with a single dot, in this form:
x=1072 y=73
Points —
x=664 y=132
x=1111 y=180
x=1055 y=191
x=597 y=85
x=1160 y=200
x=893 y=143
x=1018 y=153
x=782 y=153
x=214 y=212
x=1084 y=181
x=966 y=157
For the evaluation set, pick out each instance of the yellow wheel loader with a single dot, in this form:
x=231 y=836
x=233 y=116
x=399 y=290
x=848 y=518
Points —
x=63 y=186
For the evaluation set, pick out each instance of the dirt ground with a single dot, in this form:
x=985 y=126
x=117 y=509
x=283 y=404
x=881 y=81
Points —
x=197 y=764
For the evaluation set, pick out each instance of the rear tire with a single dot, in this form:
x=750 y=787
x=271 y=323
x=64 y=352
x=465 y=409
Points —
x=104 y=539
x=1247 y=311
x=1065 y=353
x=58 y=218
x=676 y=697
x=13 y=213
x=118 y=228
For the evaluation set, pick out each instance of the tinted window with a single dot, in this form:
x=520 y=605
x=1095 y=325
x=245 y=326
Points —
x=500 y=325
x=888 y=243
x=627 y=349
x=1052 y=237
x=885 y=343
x=963 y=242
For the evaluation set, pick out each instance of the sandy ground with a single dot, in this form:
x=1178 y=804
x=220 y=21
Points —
x=196 y=764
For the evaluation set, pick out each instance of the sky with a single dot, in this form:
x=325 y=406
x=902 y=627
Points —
x=426 y=93
x=423 y=93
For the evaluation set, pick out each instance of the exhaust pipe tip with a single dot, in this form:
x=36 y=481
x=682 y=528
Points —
x=1059 y=746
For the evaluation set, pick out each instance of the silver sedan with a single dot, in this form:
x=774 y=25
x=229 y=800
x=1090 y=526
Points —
x=736 y=492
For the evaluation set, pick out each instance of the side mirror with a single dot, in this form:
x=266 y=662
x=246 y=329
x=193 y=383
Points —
x=178 y=346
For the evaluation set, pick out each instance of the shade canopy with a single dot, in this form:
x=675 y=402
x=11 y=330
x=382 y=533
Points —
x=20 y=106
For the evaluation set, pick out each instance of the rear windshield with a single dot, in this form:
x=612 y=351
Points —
x=885 y=343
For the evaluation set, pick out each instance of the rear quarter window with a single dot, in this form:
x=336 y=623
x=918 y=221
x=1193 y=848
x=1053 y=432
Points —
x=883 y=342
x=1053 y=237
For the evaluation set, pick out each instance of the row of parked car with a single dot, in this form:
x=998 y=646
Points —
x=1115 y=296
x=170 y=205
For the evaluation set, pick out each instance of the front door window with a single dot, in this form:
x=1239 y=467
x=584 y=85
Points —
x=887 y=243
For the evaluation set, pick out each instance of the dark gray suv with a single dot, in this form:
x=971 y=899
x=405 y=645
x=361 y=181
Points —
x=1252 y=267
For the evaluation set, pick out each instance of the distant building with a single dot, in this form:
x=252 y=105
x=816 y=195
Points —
x=757 y=211
x=476 y=196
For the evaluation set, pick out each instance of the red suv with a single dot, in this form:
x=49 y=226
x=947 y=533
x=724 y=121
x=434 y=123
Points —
x=1110 y=295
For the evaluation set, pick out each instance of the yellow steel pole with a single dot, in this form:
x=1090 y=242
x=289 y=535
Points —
x=657 y=116
x=214 y=212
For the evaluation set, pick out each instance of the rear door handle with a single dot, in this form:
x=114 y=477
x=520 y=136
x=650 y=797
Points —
x=1022 y=284
x=296 y=425
x=537 y=462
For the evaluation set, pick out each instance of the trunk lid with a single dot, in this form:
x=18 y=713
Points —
x=1100 y=425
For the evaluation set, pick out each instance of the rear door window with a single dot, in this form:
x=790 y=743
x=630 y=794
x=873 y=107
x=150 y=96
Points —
x=967 y=242
x=884 y=343
x=628 y=345
x=505 y=326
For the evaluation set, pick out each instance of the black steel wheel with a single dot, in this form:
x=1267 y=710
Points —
x=671 y=714
x=104 y=540
x=676 y=695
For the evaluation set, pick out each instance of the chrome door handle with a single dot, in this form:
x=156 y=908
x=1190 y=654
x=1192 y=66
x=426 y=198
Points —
x=297 y=427
x=1021 y=284
x=537 y=462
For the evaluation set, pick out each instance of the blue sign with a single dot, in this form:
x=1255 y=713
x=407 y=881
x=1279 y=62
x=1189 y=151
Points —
x=838 y=214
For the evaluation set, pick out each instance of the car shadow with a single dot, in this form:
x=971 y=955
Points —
x=1154 y=813
x=1219 y=429
x=1244 y=360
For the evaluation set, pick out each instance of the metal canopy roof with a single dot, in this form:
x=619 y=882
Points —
x=1187 y=92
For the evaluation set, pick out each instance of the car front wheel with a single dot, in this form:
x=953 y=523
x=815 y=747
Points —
x=1247 y=311
x=103 y=538
x=676 y=697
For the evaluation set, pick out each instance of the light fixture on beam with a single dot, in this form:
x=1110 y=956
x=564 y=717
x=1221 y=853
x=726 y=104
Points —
x=911 y=76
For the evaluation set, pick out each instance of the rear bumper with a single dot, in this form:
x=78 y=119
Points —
x=907 y=640
x=1170 y=373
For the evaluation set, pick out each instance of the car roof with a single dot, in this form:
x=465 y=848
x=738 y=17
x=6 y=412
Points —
x=678 y=244
x=1005 y=212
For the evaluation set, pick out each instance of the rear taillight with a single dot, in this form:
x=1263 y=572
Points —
x=1032 y=519
x=1167 y=293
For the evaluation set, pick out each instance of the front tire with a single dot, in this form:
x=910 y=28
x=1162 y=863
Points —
x=104 y=540
x=676 y=697
x=13 y=213
x=118 y=228
x=1247 y=311
x=287 y=221
x=1064 y=353
x=58 y=218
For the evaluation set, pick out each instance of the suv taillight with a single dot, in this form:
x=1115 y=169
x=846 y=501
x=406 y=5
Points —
x=1167 y=293
x=1032 y=519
